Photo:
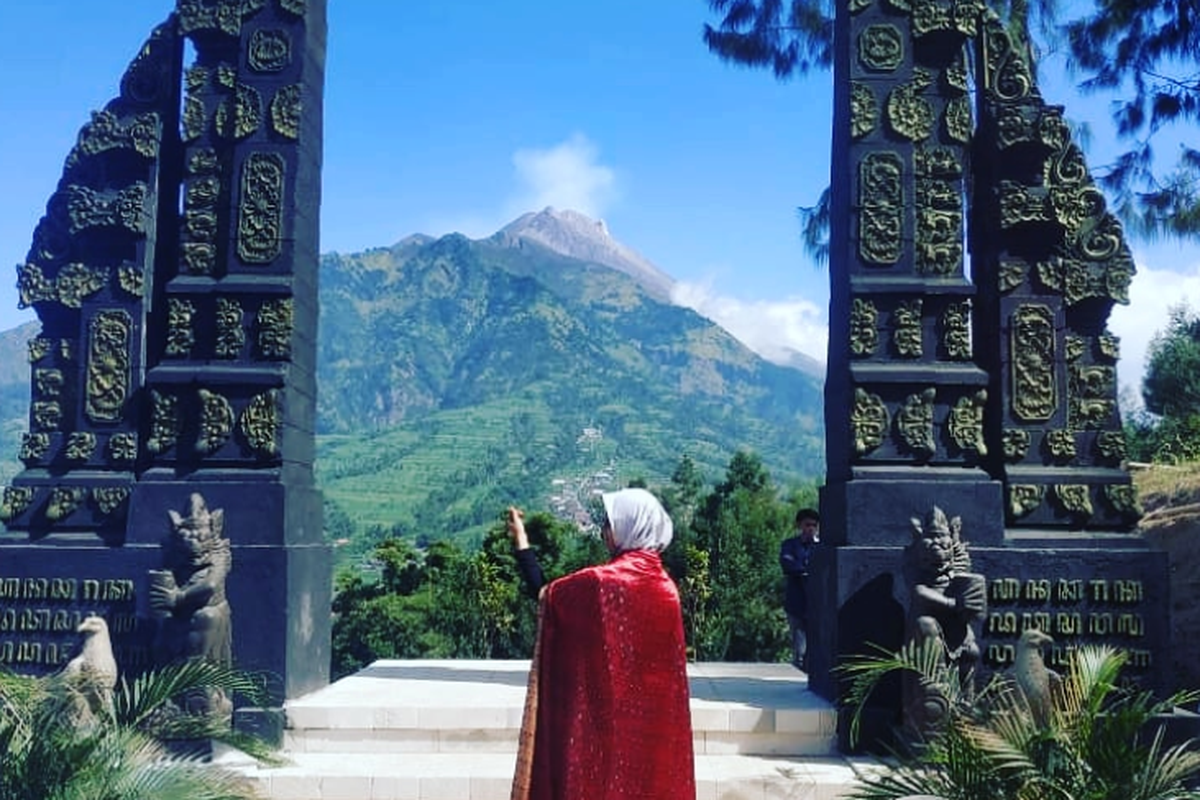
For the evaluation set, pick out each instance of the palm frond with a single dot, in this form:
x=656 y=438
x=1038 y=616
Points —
x=135 y=702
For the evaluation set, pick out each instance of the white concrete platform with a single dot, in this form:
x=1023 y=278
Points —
x=447 y=730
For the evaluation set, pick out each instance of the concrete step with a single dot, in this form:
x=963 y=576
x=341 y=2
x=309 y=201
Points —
x=488 y=776
x=447 y=730
x=476 y=706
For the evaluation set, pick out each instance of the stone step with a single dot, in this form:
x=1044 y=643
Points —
x=488 y=776
x=476 y=707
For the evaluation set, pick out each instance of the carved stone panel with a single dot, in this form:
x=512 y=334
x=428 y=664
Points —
x=864 y=110
x=270 y=50
x=914 y=424
x=1034 y=389
x=215 y=424
x=965 y=423
x=880 y=48
x=108 y=365
x=869 y=419
x=906 y=328
x=261 y=422
x=230 y=334
x=881 y=214
x=275 y=321
x=286 y=109
x=909 y=113
x=864 y=328
x=180 y=336
x=956 y=331
x=260 y=210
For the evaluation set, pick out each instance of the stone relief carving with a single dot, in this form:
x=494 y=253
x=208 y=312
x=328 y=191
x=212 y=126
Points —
x=216 y=422
x=1124 y=499
x=260 y=210
x=261 y=422
x=881 y=48
x=864 y=110
x=64 y=500
x=869 y=420
x=908 y=112
x=959 y=125
x=230 y=335
x=109 y=498
x=106 y=131
x=881 y=214
x=1016 y=444
x=180 y=336
x=125 y=208
x=16 y=499
x=34 y=447
x=194 y=620
x=275 y=321
x=287 y=107
x=108 y=367
x=965 y=423
x=122 y=448
x=914 y=423
x=164 y=422
x=1034 y=392
x=1023 y=498
x=269 y=50
x=1060 y=444
x=46 y=415
x=1075 y=498
x=906 y=328
x=956 y=331
x=864 y=327
x=39 y=348
x=132 y=280
x=81 y=445
x=239 y=114
x=1111 y=446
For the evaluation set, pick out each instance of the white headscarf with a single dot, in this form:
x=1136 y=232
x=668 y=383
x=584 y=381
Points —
x=638 y=520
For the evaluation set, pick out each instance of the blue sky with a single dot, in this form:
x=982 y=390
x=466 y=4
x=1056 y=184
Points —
x=446 y=116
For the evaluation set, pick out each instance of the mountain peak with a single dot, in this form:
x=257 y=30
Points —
x=577 y=235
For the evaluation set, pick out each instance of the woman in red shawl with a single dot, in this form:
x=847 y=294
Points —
x=607 y=715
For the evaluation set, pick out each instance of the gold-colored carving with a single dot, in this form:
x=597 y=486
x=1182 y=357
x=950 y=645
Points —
x=198 y=258
x=260 y=210
x=39 y=348
x=63 y=502
x=910 y=114
x=1093 y=392
x=1016 y=443
x=216 y=422
x=1090 y=413
x=914 y=423
x=200 y=225
x=858 y=6
x=125 y=208
x=939 y=245
x=107 y=132
x=240 y=114
x=906 y=328
x=1111 y=445
x=931 y=16
x=1021 y=204
x=192 y=123
x=880 y=47
x=1060 y=443
x=869 y=421
x=275 y=321
x=109 y=498
x=46 y=414
x=864 y=327
x=261 y=422
x=48 y=383
x=1007 y=75
x=286 y=110
x=33 y=286
x=224 y=16
x=1123 y=497
x=34 y=446
x=122 y=448
x=226 y=75
x=937 y=162
x=1077 y=280
x=16 y=500
x=164 y=422
x=1074 y=346
x=881 y=201
x=203 y=161
x=1110 y=346
x=180 y=336
x=108 y=370
x=270 y=50
x=955 y=75
x=958 y=119
x=1012 y=275
x=131 y=279
x=864 y=110
x=81 y=445
x=66 y=349
x=965 y=423
x=1023 y=498
x=296 y=7
x=230 y=335
x=1075 y=498
x=1034 y=395
x=956 y=331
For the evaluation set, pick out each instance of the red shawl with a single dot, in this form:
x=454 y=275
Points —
x=607 y=717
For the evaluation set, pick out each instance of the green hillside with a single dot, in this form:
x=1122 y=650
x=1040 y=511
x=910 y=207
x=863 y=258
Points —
x=458 y=376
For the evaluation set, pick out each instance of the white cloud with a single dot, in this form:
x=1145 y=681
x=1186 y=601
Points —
x=564 y=175
x=567 y=175
x=770 y=328
x=1151 y=295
